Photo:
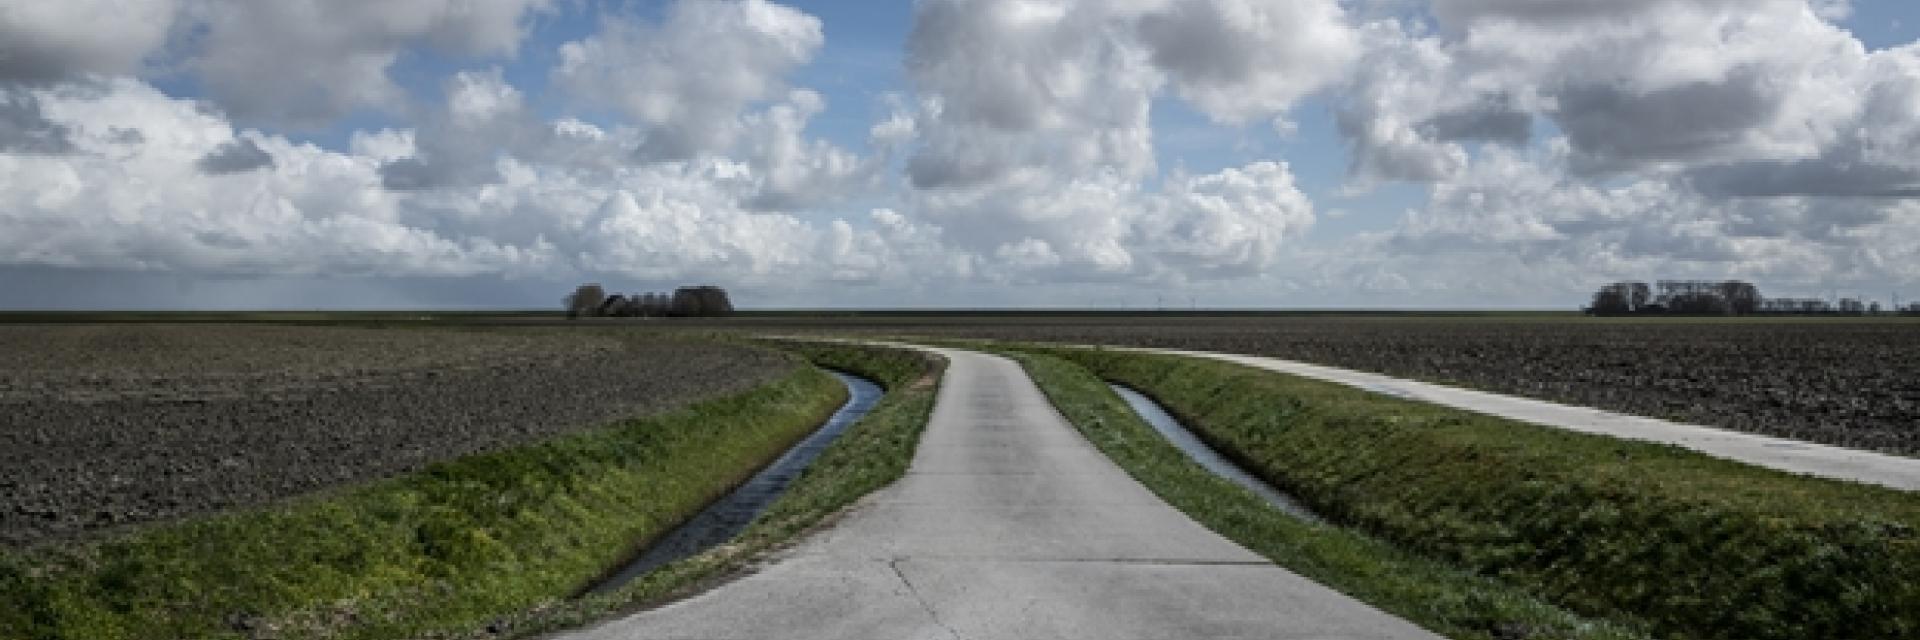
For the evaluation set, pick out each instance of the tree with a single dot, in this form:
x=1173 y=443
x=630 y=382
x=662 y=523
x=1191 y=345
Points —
x=701 y=302
x=616 y=306
x=1639 y=295
x=1612 y=300
x=1742 y=298
x=585 y=300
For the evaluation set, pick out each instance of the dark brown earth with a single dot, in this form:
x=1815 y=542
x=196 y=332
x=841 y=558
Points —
x=1847 y=382
x=106 y=426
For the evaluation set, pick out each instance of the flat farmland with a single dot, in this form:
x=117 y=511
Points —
x=103 y=426
x=1848 y=382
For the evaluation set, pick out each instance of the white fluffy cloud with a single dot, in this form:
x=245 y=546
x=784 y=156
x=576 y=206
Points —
x=1034 y=143
x=688 y=79
x=147 y=201
x=1632 y=84
x=1230 y=223
x=710 y=81
x=1013 y=86
x=142 y=202
x=103 y=171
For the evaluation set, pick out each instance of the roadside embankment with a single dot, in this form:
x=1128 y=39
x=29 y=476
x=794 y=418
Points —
x=459 y=545
x=1650 y=536
x=1437 y=595
x=869 y=455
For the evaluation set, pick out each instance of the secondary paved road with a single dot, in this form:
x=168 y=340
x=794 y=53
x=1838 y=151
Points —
x=1010 y=525
x=1794 y=456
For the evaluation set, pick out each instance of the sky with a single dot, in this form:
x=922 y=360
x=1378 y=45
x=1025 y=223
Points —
x=377 y=154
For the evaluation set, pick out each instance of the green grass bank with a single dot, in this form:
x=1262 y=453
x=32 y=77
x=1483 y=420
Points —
x=869 y=455
x=1433 y=594
x=1647 y=536
x=465 y=544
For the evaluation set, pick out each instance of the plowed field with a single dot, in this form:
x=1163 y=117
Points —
x=1848 y=382
x=105 y=426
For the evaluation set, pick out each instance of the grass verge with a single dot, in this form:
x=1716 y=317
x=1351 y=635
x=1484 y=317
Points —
x=870 y=454
x=450 y=547
x=1649 y=536
x=1432 y=594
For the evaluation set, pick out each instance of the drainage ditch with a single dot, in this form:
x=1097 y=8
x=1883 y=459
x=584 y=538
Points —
x=728 y=516
x=1197 y=449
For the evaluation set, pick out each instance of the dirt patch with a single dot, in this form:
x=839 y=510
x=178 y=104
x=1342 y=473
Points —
x=108 y=426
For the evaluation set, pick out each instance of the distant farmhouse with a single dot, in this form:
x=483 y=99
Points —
x=1720 y=298
x=591 y=301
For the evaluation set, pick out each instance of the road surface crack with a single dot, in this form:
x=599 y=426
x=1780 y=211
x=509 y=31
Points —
x=894 y=564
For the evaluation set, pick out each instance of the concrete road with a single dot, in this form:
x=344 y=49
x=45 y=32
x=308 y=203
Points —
x=1794 y=456
x=1010 y=525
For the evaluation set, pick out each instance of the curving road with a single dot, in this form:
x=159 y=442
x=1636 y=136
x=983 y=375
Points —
x=1010 y=525
x=1793 y=456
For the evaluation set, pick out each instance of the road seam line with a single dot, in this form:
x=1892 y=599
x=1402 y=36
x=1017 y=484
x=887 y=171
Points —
x=894 y=564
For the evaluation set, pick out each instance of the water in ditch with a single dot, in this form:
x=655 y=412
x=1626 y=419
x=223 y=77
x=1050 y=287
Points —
x=1198 y=450
x=728 y=516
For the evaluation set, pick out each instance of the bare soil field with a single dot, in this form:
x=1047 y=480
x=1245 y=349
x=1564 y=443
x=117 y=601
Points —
x=1847 y=382
x=105 y=426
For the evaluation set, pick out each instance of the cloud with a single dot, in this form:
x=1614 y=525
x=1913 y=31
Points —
x=238 y=156
x=688 y=79
x=1400 y=86
x=460 y=144
x=1238 y=60
x=1493 y=119
x=301 y=63
x=1230 y=223
x=1634 y=84
x=148 y=206
x=343 y=50
x=1833 y=10
x=797 y=172
x=45 y=42
x=1620 y=127
x=1525 y=221
x=1874 y=149
x=24 y=127
x=1033 y=142
x=1011 y=86
x=153 y=205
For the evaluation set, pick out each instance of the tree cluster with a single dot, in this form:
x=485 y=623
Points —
x=1714 y=298
x=591 y=301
